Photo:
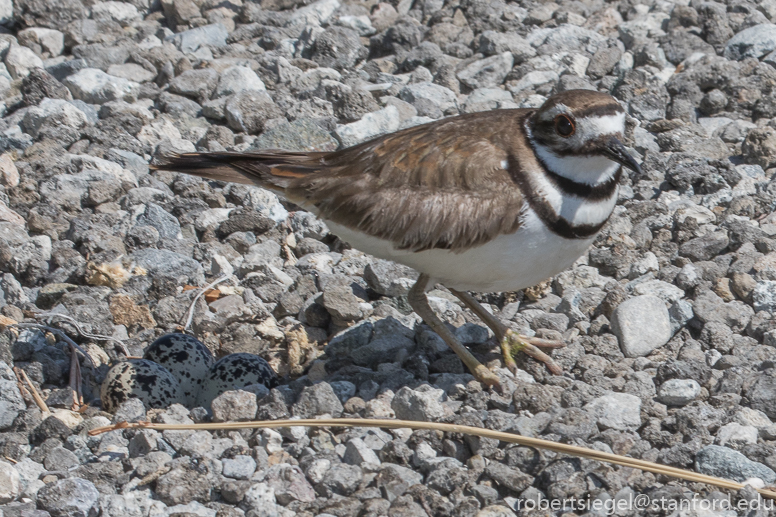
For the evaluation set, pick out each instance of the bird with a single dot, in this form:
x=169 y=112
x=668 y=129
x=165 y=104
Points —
x=493 y=201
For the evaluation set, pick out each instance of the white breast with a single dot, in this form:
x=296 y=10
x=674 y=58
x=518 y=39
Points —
x=507 y=263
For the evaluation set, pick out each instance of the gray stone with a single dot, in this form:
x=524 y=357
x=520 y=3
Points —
x=678 y=392
x=618 y=411
x=737 y=435
x=493 y=42
x=289 y=484
x=386 y=120
x=303 y=134
x=318 y=399
x=755 y=42
x=343 y=479
x=237 y=79
x=72 y=497
x=356 y=453
x=764 y=296
x=248 y=111
x=11 y=401
x=239 y=467
x=714 y=460
x=234 y=406
x=197 y=84
x=10 y=483
x=165 y=263
x=20 y=61
x=60 y=458
x=437 y=95
x=488 y=72
x=680 y=313
x=314 y=14
x=422 y=404
x=190 y=41
x=389 y=278
x=641 y=325
x=164 y=222
x=96 y=87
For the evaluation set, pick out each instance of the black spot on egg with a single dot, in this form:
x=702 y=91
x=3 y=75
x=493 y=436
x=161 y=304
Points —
x=142 y=379
x=235 y=371
x=187 y=358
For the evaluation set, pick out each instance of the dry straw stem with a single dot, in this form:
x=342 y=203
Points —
x=562 y=448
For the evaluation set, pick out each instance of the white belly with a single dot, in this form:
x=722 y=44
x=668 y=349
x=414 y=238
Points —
x=508 y=263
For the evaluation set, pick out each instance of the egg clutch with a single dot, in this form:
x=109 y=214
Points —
x=178 y=368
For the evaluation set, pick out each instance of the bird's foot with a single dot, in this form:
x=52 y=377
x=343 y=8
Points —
x=513 y=343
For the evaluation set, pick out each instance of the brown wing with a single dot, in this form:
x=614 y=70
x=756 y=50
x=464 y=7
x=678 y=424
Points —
x=430 y=186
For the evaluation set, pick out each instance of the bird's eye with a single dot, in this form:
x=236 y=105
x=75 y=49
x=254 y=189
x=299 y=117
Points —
x=564 y=126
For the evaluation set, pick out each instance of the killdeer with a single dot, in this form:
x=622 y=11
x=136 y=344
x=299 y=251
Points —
x=484 y=202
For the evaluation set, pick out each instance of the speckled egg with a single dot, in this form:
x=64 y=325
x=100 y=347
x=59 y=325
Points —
x=235 y=371
x=186 y=358
x=142 y=379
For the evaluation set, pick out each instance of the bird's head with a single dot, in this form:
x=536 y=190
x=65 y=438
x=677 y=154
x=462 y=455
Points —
x=581 y=125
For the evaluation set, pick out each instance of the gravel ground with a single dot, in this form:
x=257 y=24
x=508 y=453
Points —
x=669 y=318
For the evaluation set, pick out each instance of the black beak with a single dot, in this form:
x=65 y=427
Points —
x=615 y=151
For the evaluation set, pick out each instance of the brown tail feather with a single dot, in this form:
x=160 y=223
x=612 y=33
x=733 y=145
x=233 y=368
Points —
x=274 y=169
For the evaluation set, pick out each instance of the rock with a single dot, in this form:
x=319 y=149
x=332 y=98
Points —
x=234 y=406
x=371 y=125
x=488 y=72
x=10 y=483
x=303 y=134
x=71 y=497
x=314 y=14
x=168 y=264
x=20 y=61
x=9 y=174
x=618 y=411
x=759 y=147
x=641 y=324
x=339 y=48
x=237 y=79
x=723 y=462
x=356 y=453
x=764 y=296
x=493 y=42
x=289 y=484
x=389 y=278
x=120 y=12
x=239 y=467
x=185 y=484
x=439 y=96
x=754 y=42
x=248 y=111
x=342 y=479
x=736 y=435
x=678 y=392
x=96 y=87
x=190 y=41
x=706 y=247
x=318 y=399
x=11 y=401
x=197 y=84
x=50 y=40
x=508 y=477
x=422 y=404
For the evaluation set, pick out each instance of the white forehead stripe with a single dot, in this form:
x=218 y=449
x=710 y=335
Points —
x=604 y=125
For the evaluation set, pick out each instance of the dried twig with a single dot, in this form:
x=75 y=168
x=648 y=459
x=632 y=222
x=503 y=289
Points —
x=33 y=391
x=190 y=314
x=60 y=334
x=97 y=337
x=562 y=448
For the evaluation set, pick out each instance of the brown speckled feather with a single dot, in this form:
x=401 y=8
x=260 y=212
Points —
x=431 y=186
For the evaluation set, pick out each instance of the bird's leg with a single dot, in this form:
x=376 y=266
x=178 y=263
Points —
x=419 y=303
x=511 y=342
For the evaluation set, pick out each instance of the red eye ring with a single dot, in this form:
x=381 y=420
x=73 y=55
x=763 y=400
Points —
x=564 y=126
